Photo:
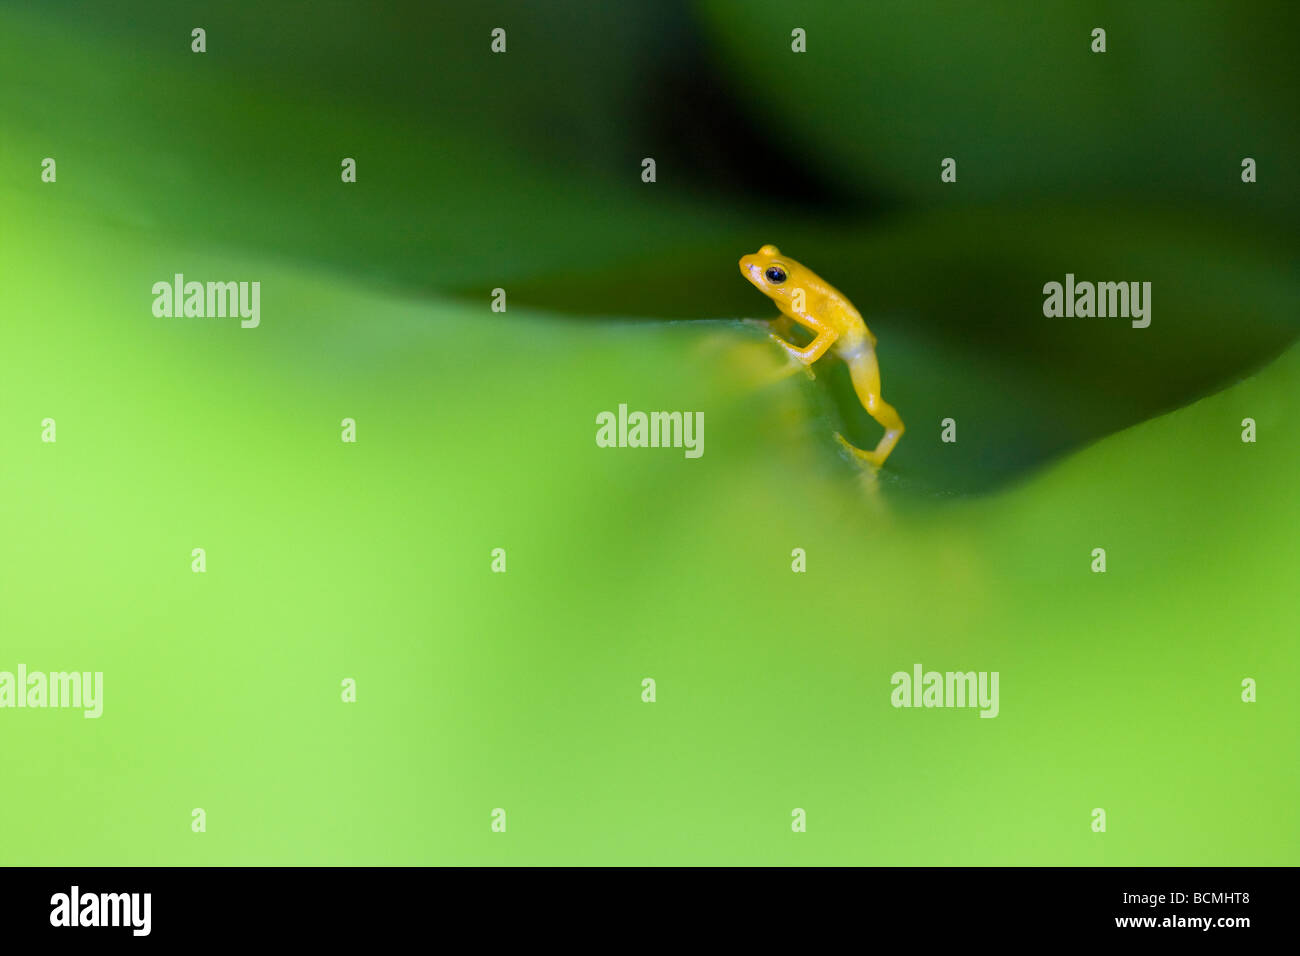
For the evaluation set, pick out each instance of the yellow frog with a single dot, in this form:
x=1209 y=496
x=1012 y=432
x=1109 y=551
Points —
x=806 y=298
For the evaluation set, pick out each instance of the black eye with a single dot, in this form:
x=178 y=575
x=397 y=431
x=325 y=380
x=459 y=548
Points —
x=774 y=275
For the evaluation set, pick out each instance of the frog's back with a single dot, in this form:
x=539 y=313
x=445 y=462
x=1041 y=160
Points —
x=846 y=316
x=826 y=302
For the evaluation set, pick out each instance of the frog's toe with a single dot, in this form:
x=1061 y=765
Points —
x=869 y=457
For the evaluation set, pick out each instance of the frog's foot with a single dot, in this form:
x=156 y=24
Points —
x=753 y=363
x=781 y=326
x=873 y=458
x=783 y=371
x=793 y=365
x=790 y=366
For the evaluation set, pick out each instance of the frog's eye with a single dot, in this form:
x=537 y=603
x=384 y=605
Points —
x=775 y=275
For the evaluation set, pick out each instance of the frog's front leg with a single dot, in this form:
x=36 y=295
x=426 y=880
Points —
x=782 y=325
x=825 y=337
x=865 y=372
x=779 y=328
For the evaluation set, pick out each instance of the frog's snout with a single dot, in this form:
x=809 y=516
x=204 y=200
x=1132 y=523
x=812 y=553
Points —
x=751 y=266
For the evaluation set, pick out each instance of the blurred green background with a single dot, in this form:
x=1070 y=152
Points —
x=476 y=431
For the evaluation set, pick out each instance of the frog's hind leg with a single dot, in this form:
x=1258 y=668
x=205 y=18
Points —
x=865 y=372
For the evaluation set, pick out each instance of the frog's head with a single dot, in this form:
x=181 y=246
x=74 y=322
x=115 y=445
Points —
x=770 y=272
